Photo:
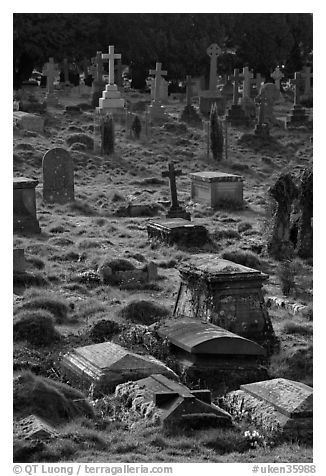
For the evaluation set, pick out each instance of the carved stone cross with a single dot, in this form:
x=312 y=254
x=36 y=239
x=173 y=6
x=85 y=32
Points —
x=172 y=174
x=110 y=57
x=158 y=73
x=213 y=52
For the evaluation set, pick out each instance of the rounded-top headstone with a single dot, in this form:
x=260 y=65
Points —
x=58 y=176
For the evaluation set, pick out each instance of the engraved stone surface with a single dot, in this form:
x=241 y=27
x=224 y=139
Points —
x=58 y=176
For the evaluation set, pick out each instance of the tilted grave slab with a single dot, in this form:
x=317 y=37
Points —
x=215 y=188
x=226 y=294
x=212 y=354
x=177 y=231
x=279 y=406
x=106 y=365
x=25 y=220
x=173 y=404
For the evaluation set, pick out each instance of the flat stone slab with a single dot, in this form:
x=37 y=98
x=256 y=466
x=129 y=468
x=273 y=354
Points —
x=28 y=121
x=23 y=182
x=106 y=365
x=178 y=230
x=34 y=428
x=293 y=399
x=216 y=177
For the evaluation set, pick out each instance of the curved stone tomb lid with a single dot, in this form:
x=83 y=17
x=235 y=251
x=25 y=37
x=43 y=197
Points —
x=197 y=337
x=293 y=399
x=215 y=266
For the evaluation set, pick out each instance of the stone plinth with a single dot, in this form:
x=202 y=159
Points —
x=207 y=99
x=29 y=122
x=237 y=116
x=111 y=100
x=281 y=407
x=51 y=99
x=177 y=231
x=261 y=130
x=297 y=116
x=96 y=92
x=25 y=220
x=157 y=111
x=214 y=188
x=173 y=404
x=106 y=365
x=226 y=294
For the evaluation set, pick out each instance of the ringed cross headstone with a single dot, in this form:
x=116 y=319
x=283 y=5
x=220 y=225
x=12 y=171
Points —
x=58 y=176
x=213 y=52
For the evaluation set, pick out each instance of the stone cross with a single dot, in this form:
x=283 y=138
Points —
x=306 y=74
x=158 y=73
x=258 y=83
x=213 y=52
x=296 y=82
x=236 y=78
x=189 y=83
x=110 y=57
x=247 y=77
x=50 y=72
x=66 y=70
x=172 y=174
x=277 y=75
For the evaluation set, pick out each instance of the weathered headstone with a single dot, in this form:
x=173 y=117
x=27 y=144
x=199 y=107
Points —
x=50 y=71
x=25 y=220
x=156 y=110
x=246 y=102
x=58 y=176
x=226 y=294
x=28 y=121
x=262 y=128
x=189 y=114
x=107 y=364
x=281 y=407
x=216 y=188
x=111 y=100
x=236 y=115
x=175 y=211
x=297 y=115
x=306 y=75
x=277 y=75
x=177 y=231
x=173 y=404
x=269 y=94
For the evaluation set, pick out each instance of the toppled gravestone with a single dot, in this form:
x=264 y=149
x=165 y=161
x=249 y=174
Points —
x=280 y=407
x=28 y=122
x=121 y=271
x=34 y=428
x=172 y=404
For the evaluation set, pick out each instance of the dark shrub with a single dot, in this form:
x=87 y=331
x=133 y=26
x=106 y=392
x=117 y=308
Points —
x=36 y=327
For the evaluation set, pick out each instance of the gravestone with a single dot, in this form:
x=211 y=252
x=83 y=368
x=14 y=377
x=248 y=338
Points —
x=281 y=407
x=28 y=121
x=58 y=176
x=226 y=294
x=19 y=262
x=277 y=75
x=227 y=89
x=269 y=94
x=98 y=84
x=25 y=220
x=211 y=96
x=262 y=128
x=297 y=116
x=211 y=354
x=106 y=365
x=189 y=114
x=111 y=100
x=175 y=211
x=172 y=404
x=236 y=115
x=164 y=94
x=246 y=102
x=177 y=231
x=50 y=71
x=156 y=110
x=306 y=75
x=256 y=85
x=216 y=188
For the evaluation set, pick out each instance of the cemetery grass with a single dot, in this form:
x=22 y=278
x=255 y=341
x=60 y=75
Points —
x=77 y=237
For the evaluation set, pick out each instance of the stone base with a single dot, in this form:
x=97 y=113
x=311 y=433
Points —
x=51 y=99
x=177 y=231
x=249 y=107
x=24 y=224
x=207 y=99
x=157 y=111
x=236 y=116
x=297 y=116
x=178 y=213
x=190 y=115
x=262 y=130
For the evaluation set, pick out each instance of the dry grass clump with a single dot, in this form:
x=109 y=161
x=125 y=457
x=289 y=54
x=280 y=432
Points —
x=80 y=138
x=244 y=226
x=144 y=312
x=294 y=363
x=82 y=208
x=225 y=233
x=246 y=258
x=54 y=401
x=29 y=279
x=54 y=304
x=35 y=327
x=290 y=327
x=103 y=330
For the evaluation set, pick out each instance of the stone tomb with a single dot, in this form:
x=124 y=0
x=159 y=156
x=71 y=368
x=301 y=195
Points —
x=177 y=231
x=281 y=407
x=173 y=404
x=215 y=188
x=226 y=294
x=212 y=354
x=107 y=364
x=58 y=176
x=25 y=220
x=28 y=121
